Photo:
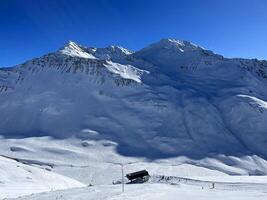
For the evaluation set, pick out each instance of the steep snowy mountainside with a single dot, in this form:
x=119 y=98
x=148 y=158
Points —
x=99 y=70
x=168 y=100
x=125 y=71
x=254 y=65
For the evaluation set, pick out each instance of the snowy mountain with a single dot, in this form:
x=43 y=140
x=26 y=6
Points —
x=172 y=102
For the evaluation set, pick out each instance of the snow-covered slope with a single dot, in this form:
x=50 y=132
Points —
x=18 y=179
x=158 y=192
x=172 y=102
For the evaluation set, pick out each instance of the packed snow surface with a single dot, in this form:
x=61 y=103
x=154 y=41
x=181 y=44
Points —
x=17 y=179
x=153 y=192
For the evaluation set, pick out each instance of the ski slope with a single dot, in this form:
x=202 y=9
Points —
x=17 y=179
x=152 y=191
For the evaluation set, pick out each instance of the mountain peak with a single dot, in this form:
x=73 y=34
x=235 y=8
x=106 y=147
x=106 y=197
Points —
x=75 y=50
x=172 y=52
x=182 y=45
x=111 y=52
x=71 y=43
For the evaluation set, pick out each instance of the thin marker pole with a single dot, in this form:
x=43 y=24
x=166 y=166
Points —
x=122 y=177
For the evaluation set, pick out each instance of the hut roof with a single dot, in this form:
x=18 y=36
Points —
x=138 y=174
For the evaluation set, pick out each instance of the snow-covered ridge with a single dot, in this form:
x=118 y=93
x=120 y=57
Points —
x=98 y=70
x=166 y=52
x=73 y=49
x=75 y=58
x=112 y=53
x=108 y=53
x=182 y=45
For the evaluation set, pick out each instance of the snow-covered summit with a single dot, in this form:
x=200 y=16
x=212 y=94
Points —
x=168 y=54
x=175 y=44
x=73 y=49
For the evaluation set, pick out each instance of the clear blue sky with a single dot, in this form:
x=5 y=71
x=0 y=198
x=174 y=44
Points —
x=31 y=28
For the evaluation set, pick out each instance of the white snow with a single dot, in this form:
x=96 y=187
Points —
x=125 y=71
x=17 y=179
x=173 y=44
x=125 y=51
x=95 y=162
x=72 y=49
x=114 y=53
x=172 y=108
x=255 y=101
x=152 y=192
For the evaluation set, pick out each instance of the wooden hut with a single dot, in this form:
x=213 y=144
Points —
x=138 y=177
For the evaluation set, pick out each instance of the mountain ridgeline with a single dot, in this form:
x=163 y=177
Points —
x=172 y=98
